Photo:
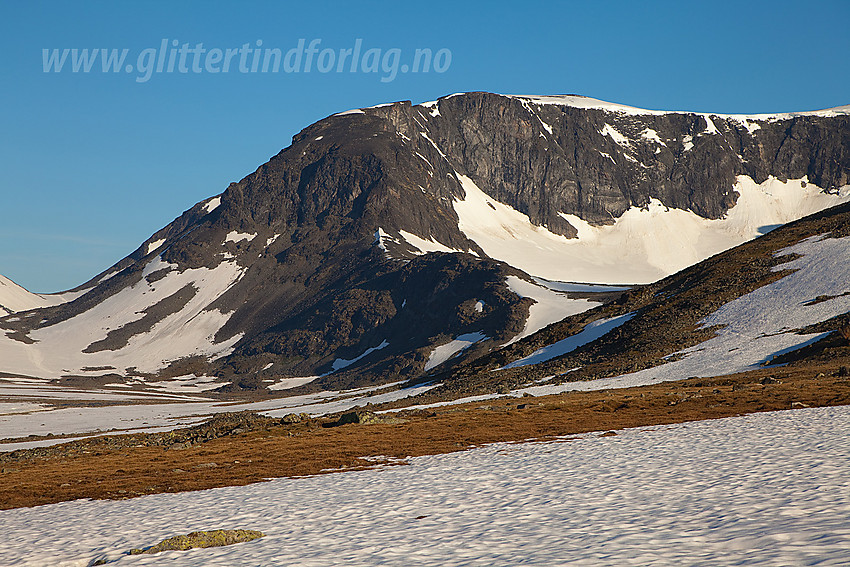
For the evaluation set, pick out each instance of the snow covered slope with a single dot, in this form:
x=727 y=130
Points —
x=14 y=298
x=765 y=323
x=645 y=243
x=67 y=347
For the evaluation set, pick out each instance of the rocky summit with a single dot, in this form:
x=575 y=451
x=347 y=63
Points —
x=395 y=242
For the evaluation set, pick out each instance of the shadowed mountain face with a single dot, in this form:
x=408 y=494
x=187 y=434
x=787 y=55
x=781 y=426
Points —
x=382 y=233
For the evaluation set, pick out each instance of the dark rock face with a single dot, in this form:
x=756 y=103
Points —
x=407 y=304
x=317 y=287
x=583 y=167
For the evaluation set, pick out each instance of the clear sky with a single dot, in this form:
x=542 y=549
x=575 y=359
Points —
x=93 y=163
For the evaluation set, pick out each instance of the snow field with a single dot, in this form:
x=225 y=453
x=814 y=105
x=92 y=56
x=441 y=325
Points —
x=761 y=324
x=184 y=410
x=58 y=348
x=764 y=489
x=643 y=245
x=14 y=298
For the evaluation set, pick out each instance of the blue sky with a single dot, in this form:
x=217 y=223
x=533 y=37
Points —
x=94 y=163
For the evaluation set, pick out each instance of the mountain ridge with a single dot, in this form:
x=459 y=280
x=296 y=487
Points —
x=300 y=264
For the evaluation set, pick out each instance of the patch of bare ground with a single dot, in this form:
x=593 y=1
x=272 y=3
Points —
x=256 y=449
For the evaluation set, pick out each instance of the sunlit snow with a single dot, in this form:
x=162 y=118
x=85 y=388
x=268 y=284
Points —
x=642 y=245
x=190 y=331
x=612 y=132
x=549 y=306
x=154 y=245
x=235 y=236
x=14 y=298
x=763 y=489
x=423 y=245
x=652 y=136
x=578 y=101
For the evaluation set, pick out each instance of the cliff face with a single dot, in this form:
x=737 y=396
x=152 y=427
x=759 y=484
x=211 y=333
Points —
x=321 y=255
x=544 y=158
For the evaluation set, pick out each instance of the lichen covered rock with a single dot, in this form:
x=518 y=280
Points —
x=212 y=538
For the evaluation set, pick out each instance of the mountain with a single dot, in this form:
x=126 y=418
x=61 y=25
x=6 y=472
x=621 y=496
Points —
x=390 y=242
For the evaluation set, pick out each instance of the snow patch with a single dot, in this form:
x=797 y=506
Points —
x=750 y=126
x=615 y=135
x=433 y=143
x=425 y=246
x=433 y=107
x=188 y=384
x=425 y=160
x=579 y=287
x=234 y=236
x=444 y=352
x=108 y=276
x=652 y=136
x=287 y=383
x=212 y=204
x=380 y=236
x=341 y=363
x=154 y=245
x=590 y=333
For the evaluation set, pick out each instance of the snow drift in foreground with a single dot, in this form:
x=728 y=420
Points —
x=764 y=489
